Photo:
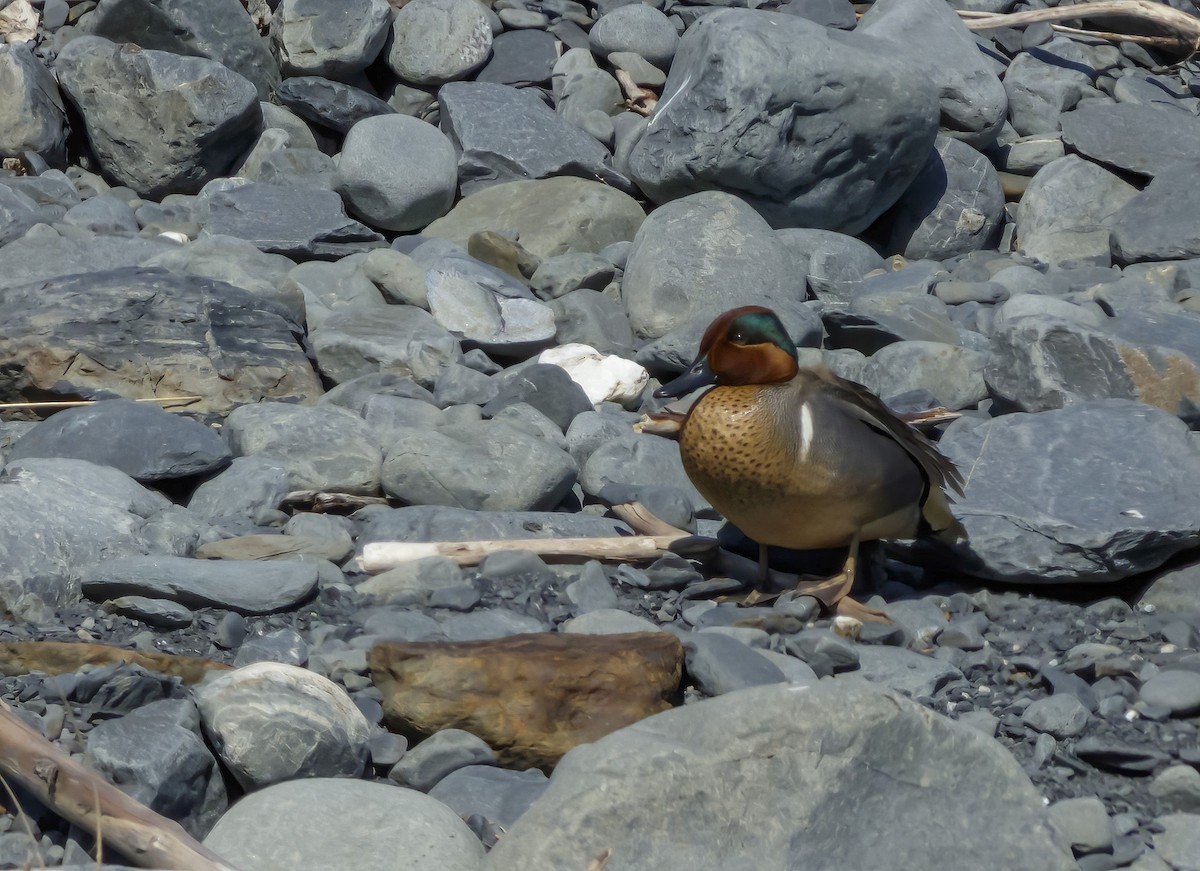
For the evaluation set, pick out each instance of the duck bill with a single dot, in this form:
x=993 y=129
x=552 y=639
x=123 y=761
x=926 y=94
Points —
x=699 y=375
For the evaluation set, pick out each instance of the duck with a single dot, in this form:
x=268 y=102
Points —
x=802 y=458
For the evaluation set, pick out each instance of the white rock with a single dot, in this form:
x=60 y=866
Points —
x=603 y=377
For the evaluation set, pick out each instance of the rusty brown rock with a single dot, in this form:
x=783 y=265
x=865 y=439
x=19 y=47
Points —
x=531 y=697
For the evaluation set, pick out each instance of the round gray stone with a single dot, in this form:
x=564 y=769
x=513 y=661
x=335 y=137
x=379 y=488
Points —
x=638 y=28
x=438 y=41
x=397 y=172
x=1177 y=691
x=362 y=825
x=330 y=38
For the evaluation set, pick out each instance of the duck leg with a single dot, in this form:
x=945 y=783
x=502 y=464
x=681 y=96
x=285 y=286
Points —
x=834 y=593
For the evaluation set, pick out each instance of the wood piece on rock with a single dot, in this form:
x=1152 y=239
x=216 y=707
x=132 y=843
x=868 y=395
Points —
x=531 y=697
x=61 y=657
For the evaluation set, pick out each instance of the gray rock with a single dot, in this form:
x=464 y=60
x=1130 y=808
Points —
x=954 y=206
x=732 y=71
x=1060 y=715
x=442 y=753
x=140 y=439
x=18 y=213
x=38 y=258
x=831 y=13
x=329 y=104
x=951 y=373
x=721 y=664
x=437 y=41
x=592 y=591
x=58 y=516
x=486 y=465
x=636 y=28
x=270 y=722
x=31 y=111
x=1179 y=841
x=634 y=459
x=1067 y=213
x=898 y=312
x=1154 y=225
x=282 y=645
x=1040 y=92
x=159 y=613
x=103 y=215
x=364 y=825
x=1140 y=138
x=322 y=447
x=490 y=623
x=834 y=262
x=160 y=763
x=1177 y=788
x=545 y=387
x=339 y=286
x=1055 y=516
x=394 y=340
x=193 y=119
x=416 y=579
x=436 y=523
x=301 y=223
x=497 y=794
x=1025 y=155
x=820 y=750
x=397 y=173
x=699 y=256
x=331 y=39
x=905 y=671
x=242 y=492
x=292 y=167
x=592 y=318
x=1083 y=823
x=500 y=325
x=506 y=134
x=1177 y=691
x=549 y=217
x=1041 y=363
x=245 y=587
x=520 y=57
x=216 y=29
x=973 y=100
x=608 y=621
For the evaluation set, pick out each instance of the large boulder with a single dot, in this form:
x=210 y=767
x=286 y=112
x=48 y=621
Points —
x=1094 y=492
x=813 y=127
x=31 y=109
x=191 y=120
x=146 y=333
x=833 y=776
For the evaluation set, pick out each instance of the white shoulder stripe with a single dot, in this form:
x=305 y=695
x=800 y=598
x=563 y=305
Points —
x=806 y=431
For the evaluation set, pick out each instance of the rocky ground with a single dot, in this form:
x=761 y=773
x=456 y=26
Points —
x=411 y=274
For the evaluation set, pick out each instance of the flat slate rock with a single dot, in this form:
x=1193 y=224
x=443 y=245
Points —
x=1108 y=492
x=301 y=223
x=1135 y=137
x=145 y=333
x=659 y=792
x=37 y=258
x=140 y=439
x=248 y=588
x=508 y=134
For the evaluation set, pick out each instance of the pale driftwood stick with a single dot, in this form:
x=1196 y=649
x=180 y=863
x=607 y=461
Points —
x=383 y=555
x=642 y=521
x=1173 y=20
x=88 y=800
x=76 y=403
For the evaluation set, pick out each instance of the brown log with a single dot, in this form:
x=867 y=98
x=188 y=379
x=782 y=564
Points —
x=61 y=657
x=88 y=800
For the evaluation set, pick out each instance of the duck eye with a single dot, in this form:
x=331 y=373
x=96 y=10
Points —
x=739 y=337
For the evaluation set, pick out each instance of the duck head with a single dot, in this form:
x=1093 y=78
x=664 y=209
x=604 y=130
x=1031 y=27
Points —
x=746 y=345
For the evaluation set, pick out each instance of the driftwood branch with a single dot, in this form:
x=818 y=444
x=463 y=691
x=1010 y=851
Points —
x=77 y=403
x=88 y=800
x=61 y=657
x=1182 y=29
x=658 y=539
